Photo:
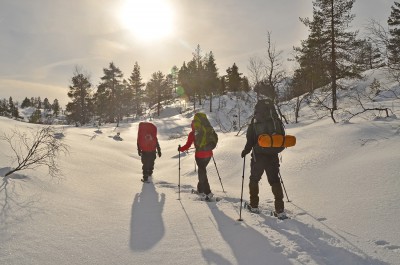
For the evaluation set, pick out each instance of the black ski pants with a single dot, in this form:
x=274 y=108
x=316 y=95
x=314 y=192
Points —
x=268 y=163
x=148 y=159
x=264 y=162
x=203 y=186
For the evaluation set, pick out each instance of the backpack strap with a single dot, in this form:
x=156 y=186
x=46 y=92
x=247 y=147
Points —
x=254 y=128
x=255 y=138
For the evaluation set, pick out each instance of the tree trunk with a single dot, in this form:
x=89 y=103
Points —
x=333 y=58
x=211 y=97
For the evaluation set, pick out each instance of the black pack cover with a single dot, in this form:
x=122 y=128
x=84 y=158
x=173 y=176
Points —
x=266 y=121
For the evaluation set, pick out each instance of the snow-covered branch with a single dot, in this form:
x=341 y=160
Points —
x=37 y=147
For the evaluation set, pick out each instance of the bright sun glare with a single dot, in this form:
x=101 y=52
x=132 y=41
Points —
x=147 y=19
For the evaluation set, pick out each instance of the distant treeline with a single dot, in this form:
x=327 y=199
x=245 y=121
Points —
x=43 y=111
x=115 y=96
x=331 y=51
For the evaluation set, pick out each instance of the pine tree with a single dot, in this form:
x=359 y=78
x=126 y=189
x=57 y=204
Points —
x=187 y=79
x=174 y=76
x=333 y=18
x=158 y=89
x=80 y=109
x=15 y=111
x=46 y=104
x=136 y=85
x=39 y=103
x=233 y=79
x=368 y=56
x=55 y=107
x=26 y=103
x=184 y=78
x=3 y=107
x=394 y=39
x=199 y=77
x=245 y=84
x=168 y=87
x=313 y=60
x=199 y=74
x=110 y=93
x=11 y=106
x=211 y=81
x=36 y=116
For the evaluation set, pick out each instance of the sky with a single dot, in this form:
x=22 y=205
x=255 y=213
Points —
x=342 y=181
x=43 y=41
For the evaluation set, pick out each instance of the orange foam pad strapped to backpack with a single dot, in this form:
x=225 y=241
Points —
x=276 y=140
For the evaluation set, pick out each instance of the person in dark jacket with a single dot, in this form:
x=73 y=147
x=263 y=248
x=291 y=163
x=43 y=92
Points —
x=148 y=158
x=260 y=163
x=202 y=159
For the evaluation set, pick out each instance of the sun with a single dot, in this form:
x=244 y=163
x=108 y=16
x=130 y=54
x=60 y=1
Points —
x=148 y=20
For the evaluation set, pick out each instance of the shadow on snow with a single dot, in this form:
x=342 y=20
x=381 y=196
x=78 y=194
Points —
x=146 y=213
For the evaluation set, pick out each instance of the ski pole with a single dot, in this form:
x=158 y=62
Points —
x=283 y=185
x=218 y=174
x=241 y=195
x=179 y=175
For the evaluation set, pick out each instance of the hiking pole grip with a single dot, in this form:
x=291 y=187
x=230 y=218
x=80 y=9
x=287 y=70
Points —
x=241 y=195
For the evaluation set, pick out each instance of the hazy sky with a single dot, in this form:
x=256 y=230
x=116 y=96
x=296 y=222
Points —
x=43 y=40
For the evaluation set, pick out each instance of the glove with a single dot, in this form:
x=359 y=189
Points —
x=139 y=152
x=244 y=153
x=179 y=148
x=159 y=153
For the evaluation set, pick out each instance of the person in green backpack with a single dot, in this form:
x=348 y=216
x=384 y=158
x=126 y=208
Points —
x=205 y=140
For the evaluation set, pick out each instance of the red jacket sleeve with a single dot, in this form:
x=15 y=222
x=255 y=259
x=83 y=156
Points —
x=188 y=142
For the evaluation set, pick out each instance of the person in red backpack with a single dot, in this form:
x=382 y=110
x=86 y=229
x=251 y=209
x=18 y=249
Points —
x=147 y=146
x=202 y=159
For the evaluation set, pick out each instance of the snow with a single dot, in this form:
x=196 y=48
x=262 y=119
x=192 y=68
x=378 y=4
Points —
x=342 y=180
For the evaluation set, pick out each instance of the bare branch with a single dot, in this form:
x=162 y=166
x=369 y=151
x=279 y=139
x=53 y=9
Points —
x=322 y=103
x=256 y=68
x=358 y=98
x=378 y=35
x=36 y=148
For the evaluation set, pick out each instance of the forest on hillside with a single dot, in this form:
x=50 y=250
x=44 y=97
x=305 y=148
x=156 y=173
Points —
x=331 y=52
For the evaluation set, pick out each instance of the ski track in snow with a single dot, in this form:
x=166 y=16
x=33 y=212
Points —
x=292 y=238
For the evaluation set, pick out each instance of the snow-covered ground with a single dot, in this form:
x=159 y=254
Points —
x=342 y=181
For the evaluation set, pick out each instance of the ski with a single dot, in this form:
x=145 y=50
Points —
x=264 y=212
x=213 y=199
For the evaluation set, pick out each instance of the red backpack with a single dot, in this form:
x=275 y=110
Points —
x=147 y=136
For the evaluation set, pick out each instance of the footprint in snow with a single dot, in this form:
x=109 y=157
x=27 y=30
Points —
x=302 y=213
x=387 y=245
x=381 y=242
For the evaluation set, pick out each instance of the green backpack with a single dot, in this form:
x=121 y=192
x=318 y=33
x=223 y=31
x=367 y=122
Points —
x=205 y=138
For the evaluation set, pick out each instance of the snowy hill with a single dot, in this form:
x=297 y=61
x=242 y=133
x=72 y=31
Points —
x=342 y=180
